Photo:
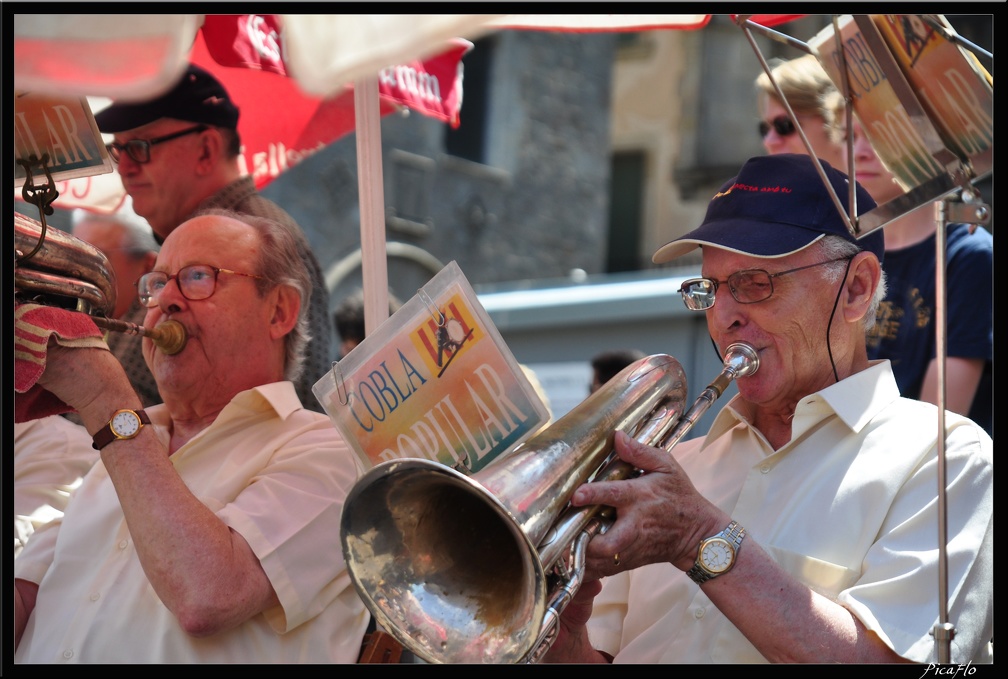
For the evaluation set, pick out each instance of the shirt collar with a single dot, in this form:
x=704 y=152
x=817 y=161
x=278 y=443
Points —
x=855 y=400
x=858 y=398
x=281 y=397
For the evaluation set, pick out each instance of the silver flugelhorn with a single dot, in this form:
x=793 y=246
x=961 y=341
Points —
x=478 y=569
x=55 y=268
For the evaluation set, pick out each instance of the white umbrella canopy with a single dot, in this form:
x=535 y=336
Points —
x=138 y=56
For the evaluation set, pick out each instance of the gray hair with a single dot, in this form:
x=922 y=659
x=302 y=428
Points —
x=834 y=247
x=279 y=263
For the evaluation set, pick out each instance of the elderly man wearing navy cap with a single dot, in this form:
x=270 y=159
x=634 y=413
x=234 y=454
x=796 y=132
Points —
x=177 y=155
x=804 y=527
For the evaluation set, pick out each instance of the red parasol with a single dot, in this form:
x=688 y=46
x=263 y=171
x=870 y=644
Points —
x=280 y=124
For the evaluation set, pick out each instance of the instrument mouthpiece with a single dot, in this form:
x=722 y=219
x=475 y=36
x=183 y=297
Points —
x=741 y=359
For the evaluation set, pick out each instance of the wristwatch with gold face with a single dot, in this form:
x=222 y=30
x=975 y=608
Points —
x=125 y=424
x=717 y=554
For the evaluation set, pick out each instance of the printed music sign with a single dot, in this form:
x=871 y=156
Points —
x=953 y=87
x=63 y=129
x=934 y=106
x=434 y=381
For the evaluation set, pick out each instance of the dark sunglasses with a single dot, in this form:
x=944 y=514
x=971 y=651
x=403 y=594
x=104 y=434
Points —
x=782 y=125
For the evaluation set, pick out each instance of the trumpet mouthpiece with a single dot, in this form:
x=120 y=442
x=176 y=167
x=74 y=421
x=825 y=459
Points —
x=170 y=337
x=741 y=359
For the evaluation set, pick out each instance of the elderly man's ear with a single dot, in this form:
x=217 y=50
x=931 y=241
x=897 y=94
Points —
x=285 y=311
x=862 y=280
x=210 y=151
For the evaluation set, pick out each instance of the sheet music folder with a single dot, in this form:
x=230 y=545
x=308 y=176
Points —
x=925 y=103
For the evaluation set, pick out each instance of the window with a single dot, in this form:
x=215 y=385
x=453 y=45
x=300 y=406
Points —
x=469 y=140
x=626 y=184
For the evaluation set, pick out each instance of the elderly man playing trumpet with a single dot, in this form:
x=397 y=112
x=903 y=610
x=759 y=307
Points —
x=804 y=526
x=205 y=533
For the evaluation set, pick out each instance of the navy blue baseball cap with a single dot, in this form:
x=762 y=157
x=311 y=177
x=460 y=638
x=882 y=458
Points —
x=197 y=98
x=776 y=206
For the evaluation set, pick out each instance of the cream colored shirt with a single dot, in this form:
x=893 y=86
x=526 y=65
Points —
x=51 y=457
x=274 y=472
x=849 y=507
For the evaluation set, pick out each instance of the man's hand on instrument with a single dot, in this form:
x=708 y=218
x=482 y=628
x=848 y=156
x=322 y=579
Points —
x=660 y=516
x=70 y=374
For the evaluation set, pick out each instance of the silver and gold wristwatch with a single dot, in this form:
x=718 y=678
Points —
x=717 y=554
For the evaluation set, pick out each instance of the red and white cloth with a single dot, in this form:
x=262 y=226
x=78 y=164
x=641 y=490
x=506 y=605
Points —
x=34 y=326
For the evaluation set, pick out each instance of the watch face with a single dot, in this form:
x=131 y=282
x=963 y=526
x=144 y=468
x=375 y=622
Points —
x=717 y=555
x=125 y=424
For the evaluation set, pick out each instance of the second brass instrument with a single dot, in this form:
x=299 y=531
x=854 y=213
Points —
x=478 y=569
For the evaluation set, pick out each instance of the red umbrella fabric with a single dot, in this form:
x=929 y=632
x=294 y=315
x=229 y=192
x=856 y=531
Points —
x=280 y=125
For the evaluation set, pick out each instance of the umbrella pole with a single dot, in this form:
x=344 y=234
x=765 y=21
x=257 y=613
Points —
x=374 y=264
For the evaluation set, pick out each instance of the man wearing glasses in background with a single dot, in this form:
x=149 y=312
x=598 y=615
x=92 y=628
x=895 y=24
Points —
x=206 y=531
x=804 y=526
x=179 y=154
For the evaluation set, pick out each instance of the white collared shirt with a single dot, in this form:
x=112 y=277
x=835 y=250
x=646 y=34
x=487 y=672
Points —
x=274 y=472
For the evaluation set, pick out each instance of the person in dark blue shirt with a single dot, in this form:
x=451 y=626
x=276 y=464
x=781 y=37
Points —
x=905 y=325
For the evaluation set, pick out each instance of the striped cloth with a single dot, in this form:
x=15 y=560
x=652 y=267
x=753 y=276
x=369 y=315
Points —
x=34 y=325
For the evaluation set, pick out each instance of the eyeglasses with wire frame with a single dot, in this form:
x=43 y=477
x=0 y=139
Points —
x=782 y=125
x=139 y=149
x=747 y=287
x=195 y=282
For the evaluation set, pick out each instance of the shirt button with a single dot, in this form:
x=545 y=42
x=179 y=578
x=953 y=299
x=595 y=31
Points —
x=123 y=544
x=764 y=468
x=67 y=654
x=698 y=613
x=95 y=596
